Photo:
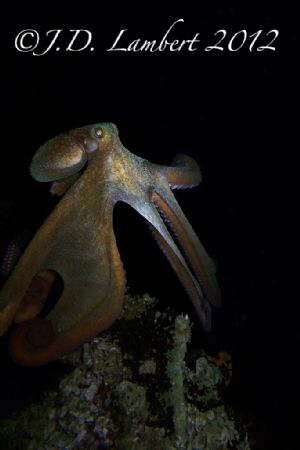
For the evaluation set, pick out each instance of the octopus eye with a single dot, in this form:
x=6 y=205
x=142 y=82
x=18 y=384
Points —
x=98 y=132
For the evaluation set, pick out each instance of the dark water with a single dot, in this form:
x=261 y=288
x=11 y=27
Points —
x=235 y=113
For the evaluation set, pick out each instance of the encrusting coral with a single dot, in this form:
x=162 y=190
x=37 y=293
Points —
x=135 y=386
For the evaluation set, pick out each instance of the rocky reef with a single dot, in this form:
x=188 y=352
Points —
x=136 y=386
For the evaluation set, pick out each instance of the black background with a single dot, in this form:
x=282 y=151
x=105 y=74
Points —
x=236 y=114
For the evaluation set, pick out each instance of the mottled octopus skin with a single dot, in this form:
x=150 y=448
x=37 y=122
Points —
x=93 y=170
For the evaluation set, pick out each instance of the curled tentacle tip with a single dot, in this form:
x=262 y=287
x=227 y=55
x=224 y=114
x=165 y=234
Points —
x=35 y=296
x=40 y=333
x=38 y=290
x=184 y=172
x=30 y=337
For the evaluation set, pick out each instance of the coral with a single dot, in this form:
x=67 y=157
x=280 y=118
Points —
x=137 y=385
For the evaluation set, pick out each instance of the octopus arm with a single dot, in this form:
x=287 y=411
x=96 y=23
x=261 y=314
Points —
x=82 y=250
x=187 y=280
x=35 y=342
x=200 y=263
x=184 y=172
x=174 y=256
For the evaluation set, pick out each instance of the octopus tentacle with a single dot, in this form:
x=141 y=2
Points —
x=35 y=296
x=13 y=253
x=153 y=217
x=35 y=342
x=174 y=256
x=183 y=173
x=199 y=260
x=96 y=276
x=189 y=283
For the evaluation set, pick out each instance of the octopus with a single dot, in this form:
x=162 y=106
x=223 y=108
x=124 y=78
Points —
x=91 y=171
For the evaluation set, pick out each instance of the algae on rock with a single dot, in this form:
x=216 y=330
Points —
x=131 y=388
